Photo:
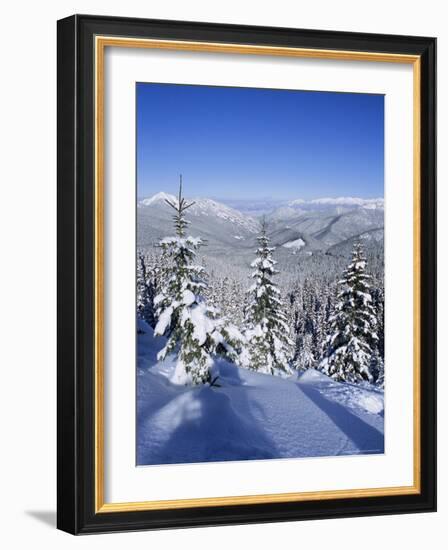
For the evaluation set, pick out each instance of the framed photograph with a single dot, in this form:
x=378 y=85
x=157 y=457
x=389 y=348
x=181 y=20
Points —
x=246 y=274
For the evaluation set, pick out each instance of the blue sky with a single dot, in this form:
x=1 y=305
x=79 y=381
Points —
x=246 y=143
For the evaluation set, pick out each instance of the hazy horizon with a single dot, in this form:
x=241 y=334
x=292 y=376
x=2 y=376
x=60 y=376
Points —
x=217 y=198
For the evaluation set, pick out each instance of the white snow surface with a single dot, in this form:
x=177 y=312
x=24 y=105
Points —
x=298 y=243
x=158 y=197
x=351 y=201
x=297 y=201
x=209 y=208
x=247 y=415
x=340 y=201
x=202 y=324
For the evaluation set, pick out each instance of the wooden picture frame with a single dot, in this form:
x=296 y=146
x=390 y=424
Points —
x=82 y=40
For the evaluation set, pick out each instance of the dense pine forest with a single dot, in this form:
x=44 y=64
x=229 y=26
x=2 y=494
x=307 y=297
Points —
x=271 y=314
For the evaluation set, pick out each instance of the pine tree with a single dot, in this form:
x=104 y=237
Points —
x=145 y=292
x=267 y=332
x=380 y=379
x=377 y=368
x=183 y=314
x=305 y=359
x=194 y=330
x=351 y=343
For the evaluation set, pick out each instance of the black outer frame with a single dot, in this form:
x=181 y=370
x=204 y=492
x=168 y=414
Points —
x=75 y=385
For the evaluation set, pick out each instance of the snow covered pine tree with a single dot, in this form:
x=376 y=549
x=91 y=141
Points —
x=193 y=329
x=304 y=359
x=145 y=293
x=352 y=340
x=267 y=330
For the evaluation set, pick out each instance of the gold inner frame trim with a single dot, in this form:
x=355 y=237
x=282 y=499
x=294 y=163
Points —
x=101 y=42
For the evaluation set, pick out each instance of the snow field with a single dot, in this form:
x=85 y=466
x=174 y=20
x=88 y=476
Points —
x=247 y=415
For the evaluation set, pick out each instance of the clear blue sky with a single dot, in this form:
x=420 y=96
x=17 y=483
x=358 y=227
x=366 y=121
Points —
x=243 y=143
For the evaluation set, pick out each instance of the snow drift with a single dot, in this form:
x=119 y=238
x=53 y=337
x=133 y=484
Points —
x=246 y=415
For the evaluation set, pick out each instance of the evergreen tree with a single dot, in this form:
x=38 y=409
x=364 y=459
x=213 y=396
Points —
x=183 y=315
x=145 y=292
x=194 y=330
x=267 y=332
x=380 y=379
x=304 y=358
x=378 y=303
x=377 y=368
x=350 y=346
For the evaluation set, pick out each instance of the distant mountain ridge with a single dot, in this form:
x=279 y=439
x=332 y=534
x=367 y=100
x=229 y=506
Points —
x=297 y=227
x=244 y=205
x=205 y=207
x=161 y=196
x=342 y=201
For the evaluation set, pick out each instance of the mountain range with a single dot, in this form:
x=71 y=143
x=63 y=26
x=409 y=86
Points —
x=296 y=227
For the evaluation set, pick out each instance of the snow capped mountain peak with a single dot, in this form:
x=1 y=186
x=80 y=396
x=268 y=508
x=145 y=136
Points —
x=202 y=205
x=350 y=201
x=205 y=204
x=328 y=202
x=210 y=207
x=205 y=209
x=296 y=202
x=158 y=197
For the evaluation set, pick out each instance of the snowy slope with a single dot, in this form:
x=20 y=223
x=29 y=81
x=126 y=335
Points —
x=331 y=226
x=158 y=198
x=297 y=243
x=249 y=415
x=214 y=222
x=230 y=234
x=211 y=208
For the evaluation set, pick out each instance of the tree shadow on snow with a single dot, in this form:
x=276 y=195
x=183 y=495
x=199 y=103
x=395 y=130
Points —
x=205 y=425
x=367 y=439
